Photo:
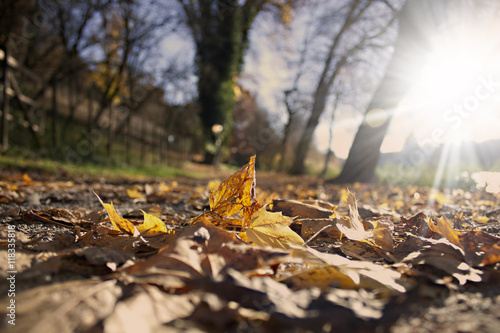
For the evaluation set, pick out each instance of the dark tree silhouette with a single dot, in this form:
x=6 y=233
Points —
x=418 y=21
x=337 y=57
x=220 y=30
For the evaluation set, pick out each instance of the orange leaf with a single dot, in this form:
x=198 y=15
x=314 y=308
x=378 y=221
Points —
x=236 y=194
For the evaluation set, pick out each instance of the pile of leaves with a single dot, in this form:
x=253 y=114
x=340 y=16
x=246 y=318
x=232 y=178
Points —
x=247 y=262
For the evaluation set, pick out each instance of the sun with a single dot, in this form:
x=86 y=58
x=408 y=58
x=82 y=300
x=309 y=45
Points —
x=449 y=74
x=455 y=98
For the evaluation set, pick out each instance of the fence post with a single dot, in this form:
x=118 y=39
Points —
x=90 y=121
x=111 y=135
x=55 y=121
x=5 y=106
x=128 y=141
x=142 y=141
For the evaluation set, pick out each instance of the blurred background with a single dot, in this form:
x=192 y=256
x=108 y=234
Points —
x=389 y=91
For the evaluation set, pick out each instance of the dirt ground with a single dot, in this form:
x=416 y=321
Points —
x=53 y=262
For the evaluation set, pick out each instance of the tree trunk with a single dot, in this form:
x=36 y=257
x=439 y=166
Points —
x=221 y=33
x=128 y=142
x=305 y=142
x=329 y=153
x=5 y=105
x=288 y=127
x=417 y=23
x=325 y=82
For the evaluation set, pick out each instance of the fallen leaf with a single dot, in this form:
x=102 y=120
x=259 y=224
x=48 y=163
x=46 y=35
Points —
x=152 y=225
x=65 y=307
x=325 y=278
x=268 y=228
x=352 y=227
x=480 y=248
x=119 y=223
x=134 y=193
x=237 y=193
x=482 y=219
x=382 y=234
x=299 y=209
x=148 y=310
x=443 y=228
x=444 y=256
x=363 y=274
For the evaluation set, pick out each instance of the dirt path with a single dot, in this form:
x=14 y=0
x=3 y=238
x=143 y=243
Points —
x=66 y=251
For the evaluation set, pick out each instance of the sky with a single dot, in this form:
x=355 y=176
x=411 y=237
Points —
x=460 y=67
x=456 y=93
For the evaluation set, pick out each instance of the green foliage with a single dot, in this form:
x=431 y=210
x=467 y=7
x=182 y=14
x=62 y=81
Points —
x=29 y=163
x=425 y=175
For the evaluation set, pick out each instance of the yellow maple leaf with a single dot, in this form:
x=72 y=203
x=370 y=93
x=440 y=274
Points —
x=482 y=219
x=268 y=228
x=119 y=223
x=134 y=193
x=444 y=229
x=323 y=277
x=344 y=194
x=152 y=225
x=236 y=194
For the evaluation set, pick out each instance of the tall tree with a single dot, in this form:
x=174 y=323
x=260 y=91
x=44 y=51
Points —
x=340 y=51
x=220 y=30
x=11 y=14
x=418 y=21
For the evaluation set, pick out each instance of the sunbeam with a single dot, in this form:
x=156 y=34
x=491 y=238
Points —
x=455 y=99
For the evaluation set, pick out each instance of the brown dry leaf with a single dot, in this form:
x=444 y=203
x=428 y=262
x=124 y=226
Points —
x=363 y=251
x=492 y=255
x=203 y=250
x=446 y=258
x=353 y=228
x=236 y=194
x=66 y=307
x=363 y=274
x=382 y=234
x=108 y=257
x=299 y=209
x=268 y=228
x=311 y=227
x=418 y=226
x=147 y=310
x=480 y=248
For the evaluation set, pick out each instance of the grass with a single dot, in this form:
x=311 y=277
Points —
x=424 y=175
x=93 y=169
